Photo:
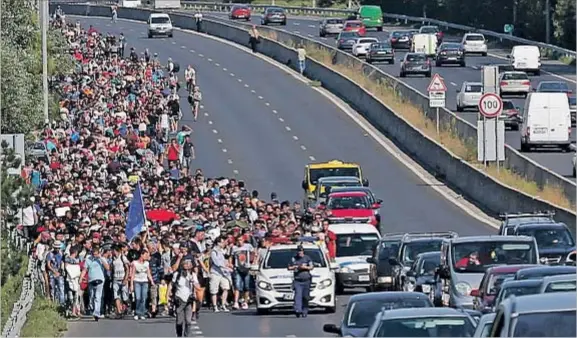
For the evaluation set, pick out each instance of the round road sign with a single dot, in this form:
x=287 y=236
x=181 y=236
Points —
x=490 y=105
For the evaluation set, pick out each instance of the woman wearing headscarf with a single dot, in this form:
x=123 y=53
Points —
x=254 y=39
x=184 y=283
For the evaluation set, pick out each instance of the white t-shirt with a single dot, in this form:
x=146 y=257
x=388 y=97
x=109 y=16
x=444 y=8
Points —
x=164 y=121
x=28 y=216
x=140 y=271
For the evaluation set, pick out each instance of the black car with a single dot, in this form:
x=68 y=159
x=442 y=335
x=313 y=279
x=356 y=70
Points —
x=541 y=271
x=413 y=244
x=380 y=51
x=511 y=221
x=362 y=309
x=415 y=63
x=450 y=53
x=422 y=275
x=380 y=270
x=401 y=39
x=273 y=15
x=554 y=241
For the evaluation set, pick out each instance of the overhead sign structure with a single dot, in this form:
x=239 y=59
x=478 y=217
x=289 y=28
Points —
x=490 y=105
x=491 y=141
x=437 y=90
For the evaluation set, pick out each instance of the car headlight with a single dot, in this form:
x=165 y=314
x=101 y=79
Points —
x=426 y=288
x=543 y=260
x=264 y=285
x=463 y=288
x=345 y=270
x=325 y=284
x=386 y=279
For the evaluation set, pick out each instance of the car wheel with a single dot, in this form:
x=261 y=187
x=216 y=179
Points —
x=537 y=72
x=379 y=29
x=524 y=147
x=248 y=19
x=322 y=35
x=283 y=23
x=463 y=64
x=438 y=64
x=170 y=35
x=515 y=127
x=149 y=36
x=368 y=60
x=262 y=311
x=459 y=108
x=428 y=74
x=331 y=309
x=339 y=289
x=574 y=172
x=402 y=74
x=484 y=54
x=392 y=62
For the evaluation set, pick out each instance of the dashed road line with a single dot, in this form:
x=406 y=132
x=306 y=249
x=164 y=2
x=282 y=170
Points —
x=192 y=51
x=295 y=138
x=217 y=64
x=239 y=80
x=287 y=128
x=281 y=119
x=297 y=32
x=253 y=91
x=219 y=140
x=260 y=97
x=224 y=150
x=183 y=47
x=215 y=131
x=311 y=26
x=209 y=122
x=303 y=147
x=312 y=158
x=224 y=69
x=205 y=114
x=229 y=161
x=231 y=74
x=235 y=172
x=173 y=42
x=267 y=104
x=296 y=23
x=274 y=111
x=453 y=84
x=245 y=85
x=310 y=35
x=200 y=55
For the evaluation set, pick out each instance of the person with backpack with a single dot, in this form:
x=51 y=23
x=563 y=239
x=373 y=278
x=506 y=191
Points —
x=54 y=267
x=184 y=284
x=188 y=154
x=95 y=266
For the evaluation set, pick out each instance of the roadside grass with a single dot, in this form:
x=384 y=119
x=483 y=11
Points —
x=10 y=292
x=44 y=319
x=464 y=149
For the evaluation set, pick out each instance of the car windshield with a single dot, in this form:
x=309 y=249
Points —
x=515 y=76
x=353 y=24
x=412 y=250
x=239 y=7
x=380 y=45
x=361 y=314
x=334 y=21
x=545 y=324
x=389 y=249
x=560 y=286
x=450 y=46
x=348 y=202
x=473 y=88
x=38 y=146
x=475 y=37
x=416 y=58
x=400 y=34
x=518 y=291
x=426 y=327
x=549 y=238
x=553 y=87
x=160 y=20
x=572 y=100
x=280 y=259
x=315 y=174
x=276 y=11
x=427 y=30
x=508 y=105
x=428 y=265
x=344 y=35
x=336 y=184
x=355 y=244
x=495 y=282
x=477 y=256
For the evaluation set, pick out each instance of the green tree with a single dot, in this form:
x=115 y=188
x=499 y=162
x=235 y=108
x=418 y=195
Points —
x=564 y=23
x=15 y=191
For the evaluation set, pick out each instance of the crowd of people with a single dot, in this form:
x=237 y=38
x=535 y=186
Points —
x=115 y=133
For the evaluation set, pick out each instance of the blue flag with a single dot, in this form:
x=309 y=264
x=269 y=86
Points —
x=136 y=218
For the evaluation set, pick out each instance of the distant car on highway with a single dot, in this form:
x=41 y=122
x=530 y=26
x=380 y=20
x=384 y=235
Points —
x=511 y=115
x=432 y=30
x=159 y=24
x=346 y=40
x=361 y=46
x=400 y=39
x=274 y=15
x=380 y=51
x=331 y=27
x=240 y=12
x=514 y=83
x=469 y=95
x=510 y=221
x=450 y=53
x=355 y=26
x=553 y=87
x=474 y=43
x=415 y=64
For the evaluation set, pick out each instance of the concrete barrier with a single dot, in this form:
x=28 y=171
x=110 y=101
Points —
x=488 y=193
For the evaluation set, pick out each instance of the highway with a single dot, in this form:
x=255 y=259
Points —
x=263 y=125
x=454 y=76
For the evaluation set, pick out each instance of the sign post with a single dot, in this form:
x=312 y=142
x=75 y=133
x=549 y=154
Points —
x=437 y=90
x=490 y=130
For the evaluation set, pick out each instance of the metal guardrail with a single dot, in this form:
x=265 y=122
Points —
x=546 y=49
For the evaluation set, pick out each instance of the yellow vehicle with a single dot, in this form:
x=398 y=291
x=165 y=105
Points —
x=315 y=171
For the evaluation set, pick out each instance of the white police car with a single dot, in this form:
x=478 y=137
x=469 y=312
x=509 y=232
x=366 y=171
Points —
x=274 y=288
x=354 y=245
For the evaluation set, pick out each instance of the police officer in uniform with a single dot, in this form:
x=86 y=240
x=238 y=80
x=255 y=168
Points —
x=301 y=264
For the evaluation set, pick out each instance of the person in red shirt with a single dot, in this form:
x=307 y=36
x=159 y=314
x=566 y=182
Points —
x=173 y=151
x=471 y=259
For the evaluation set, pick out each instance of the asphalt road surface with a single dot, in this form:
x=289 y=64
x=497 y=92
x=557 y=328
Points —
x=262 y=125
x=454 y=77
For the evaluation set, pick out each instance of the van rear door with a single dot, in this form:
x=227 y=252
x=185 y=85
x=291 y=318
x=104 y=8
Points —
x=559 y=118
x=538 y=119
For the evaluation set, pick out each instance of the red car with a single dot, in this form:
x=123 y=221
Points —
x=351 y=207
x=491 y=284
x=240 y=12
x=355 y=26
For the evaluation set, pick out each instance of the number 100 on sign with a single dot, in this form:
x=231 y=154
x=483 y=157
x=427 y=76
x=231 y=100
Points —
x=490 y=105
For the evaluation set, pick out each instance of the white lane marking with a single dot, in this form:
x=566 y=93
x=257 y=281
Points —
x=231 y=74
x=201 y=106
x=310 y=35
x=323 y=38
x=311 y=26
x=205 y=114
x=209 y=60
x=173 y=42
x=253 y=91
x=217 y=64
x=312 y=158
x=453 y=84
x=287 y=128
x=215 y=131
x=219 y=141
x=245 y=85
x=229 y=162
x=291 y=336
x=239 y=80
x=274 y=111
x=260 y=97
x=303 y=147
x=235 y=172
x=224 y=69
x=295 y=138
x=281 y=119
x=267 y=104
x=107 y=25
x=296 y=23
x=224 y=150
x=183 y=47
x=192 y=51
x=297 y=32
x=209 y=122
x=200 y=55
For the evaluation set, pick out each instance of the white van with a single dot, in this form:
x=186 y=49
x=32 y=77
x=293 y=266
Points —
x=355 y=244
x=424 y=43
x=526 y=58
x=546 y=121
x=159 y=24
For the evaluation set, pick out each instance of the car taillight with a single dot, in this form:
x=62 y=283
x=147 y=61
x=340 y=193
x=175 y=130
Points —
x=341 y=41
x=393 y=40
x=526 y=83
x=528 y=131
x=443 y=53
x=569 y=130
x=503 y=83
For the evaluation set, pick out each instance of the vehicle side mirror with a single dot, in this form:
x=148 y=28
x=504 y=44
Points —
x=371 y=260
x=331 y=328
x=474 y=293
x=376 y=205
x=254 y=268
x=304 y=185
x=365 y=182
x=393 y=261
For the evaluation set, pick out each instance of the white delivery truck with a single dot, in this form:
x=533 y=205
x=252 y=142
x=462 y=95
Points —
x=526 y=58
x=546 y=121
x=165 y=4
x=130 y=3
x=424 y=43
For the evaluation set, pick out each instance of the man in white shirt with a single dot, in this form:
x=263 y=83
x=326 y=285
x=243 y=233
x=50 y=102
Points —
x=29 y=217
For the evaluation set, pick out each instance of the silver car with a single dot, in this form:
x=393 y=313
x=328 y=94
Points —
x=484 y=325
x=346 y=40
x=474 y=43
x=469 y=95
x=514 y=83
x=331 y=27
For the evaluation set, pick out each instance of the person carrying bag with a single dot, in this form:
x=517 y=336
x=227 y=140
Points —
x=254 y=39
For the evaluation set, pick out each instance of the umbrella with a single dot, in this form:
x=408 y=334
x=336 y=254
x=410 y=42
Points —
x=234 y=224
x=161 y=215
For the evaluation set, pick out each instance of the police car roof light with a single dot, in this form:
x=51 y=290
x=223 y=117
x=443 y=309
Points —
x=442 y=234
x=506 y=216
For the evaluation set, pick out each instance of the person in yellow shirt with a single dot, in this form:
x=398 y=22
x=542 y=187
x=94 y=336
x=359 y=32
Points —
x=163 y=297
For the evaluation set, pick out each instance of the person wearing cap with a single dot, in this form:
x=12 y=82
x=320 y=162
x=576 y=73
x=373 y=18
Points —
x=54 y=267
x=301 y=265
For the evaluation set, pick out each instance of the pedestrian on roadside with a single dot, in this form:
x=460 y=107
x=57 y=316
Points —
x=141 y=277
x=254 y=38
x=95 y=266
x=220 y=273
x=184 y=282
x=302 y=55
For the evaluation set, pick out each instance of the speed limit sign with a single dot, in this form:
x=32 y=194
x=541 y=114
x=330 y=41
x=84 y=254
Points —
x=490 y=105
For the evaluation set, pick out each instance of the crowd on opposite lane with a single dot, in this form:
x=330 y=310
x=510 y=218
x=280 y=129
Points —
x=114 y=144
